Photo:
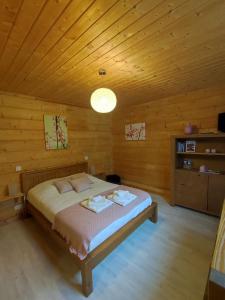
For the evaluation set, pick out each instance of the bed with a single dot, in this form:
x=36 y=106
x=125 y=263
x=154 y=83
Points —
x=47 y=209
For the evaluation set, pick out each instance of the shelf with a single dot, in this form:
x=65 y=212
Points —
x=199 y=136
x=8 y=198
x=197 y=171
x=201 y=153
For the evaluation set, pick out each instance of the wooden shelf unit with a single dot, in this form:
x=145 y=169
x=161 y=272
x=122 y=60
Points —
x=202 y=191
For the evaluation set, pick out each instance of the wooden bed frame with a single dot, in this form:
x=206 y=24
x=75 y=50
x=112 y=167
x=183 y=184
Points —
x=31 y=178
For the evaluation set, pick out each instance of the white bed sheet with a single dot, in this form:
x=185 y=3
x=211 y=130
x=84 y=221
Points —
x=45 y=198
x=108 y=231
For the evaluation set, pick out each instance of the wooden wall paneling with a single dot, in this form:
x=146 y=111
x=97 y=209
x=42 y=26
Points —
x=22 y=138
x=147 y=163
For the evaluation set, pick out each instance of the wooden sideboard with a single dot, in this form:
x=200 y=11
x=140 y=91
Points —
x=202 y=191
x=215 y=289
x=199 y=191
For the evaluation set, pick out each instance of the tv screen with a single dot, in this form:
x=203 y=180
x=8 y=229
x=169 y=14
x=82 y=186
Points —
x=221 y=122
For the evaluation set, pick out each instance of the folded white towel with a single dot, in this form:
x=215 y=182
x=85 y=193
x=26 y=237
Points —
x=98 y=199
x=97 y=206
x=121 y=193
x=123 y=198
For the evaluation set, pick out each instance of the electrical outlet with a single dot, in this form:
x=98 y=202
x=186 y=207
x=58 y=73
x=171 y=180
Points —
x=18 y=168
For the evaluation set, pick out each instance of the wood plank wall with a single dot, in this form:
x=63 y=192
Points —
x=22 y=137
x=147 y=163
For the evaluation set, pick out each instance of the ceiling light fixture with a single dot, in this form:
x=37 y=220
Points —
x=103 y=100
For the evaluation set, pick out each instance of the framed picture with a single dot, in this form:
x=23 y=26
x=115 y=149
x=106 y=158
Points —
x=56 y=132
x=187 y=164
x=135 y=132
x=190 y=146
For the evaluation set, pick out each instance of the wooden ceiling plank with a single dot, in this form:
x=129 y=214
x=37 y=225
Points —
x=190 y=53
x=172 y=73
x=47 y=17
x=152 y=93
x=190 y=70
x=143 y=96
x=150 y=54
x=9 y=11
x=101 y=25
x=19 y=32
x=154 y=16
x=197 y=53
x=99 y=8
x=67 y=19
x=106 y=65
x=102 y=38
x=138 y=51
x=65 y=57
x=131 y=86
x=149 y=72
x=182 y=39
x=142 y=86
x=141 y=81
x=162 y=45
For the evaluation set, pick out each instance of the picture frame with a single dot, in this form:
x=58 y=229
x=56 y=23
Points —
x=56 y=132
x=190 y=146
x=135 y=132
x=187 y=164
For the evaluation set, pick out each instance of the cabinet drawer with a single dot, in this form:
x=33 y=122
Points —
x=191 y=189
x=216 y=193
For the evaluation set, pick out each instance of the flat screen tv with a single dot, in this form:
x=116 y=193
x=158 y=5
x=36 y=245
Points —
x=221 y=122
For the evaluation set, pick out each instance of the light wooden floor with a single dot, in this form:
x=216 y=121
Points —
x=169 y=260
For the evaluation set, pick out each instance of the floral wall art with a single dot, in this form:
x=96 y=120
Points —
x=56 y=132
x=135 y=132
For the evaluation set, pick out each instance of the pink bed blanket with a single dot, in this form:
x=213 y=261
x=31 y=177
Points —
x=78 y=225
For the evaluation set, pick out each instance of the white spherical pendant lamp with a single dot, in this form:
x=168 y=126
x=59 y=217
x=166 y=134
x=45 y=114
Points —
x=103 y=100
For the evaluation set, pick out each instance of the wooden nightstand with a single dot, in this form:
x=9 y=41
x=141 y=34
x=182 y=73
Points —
x=101 y=176
x=10 y=211
x=17 y=197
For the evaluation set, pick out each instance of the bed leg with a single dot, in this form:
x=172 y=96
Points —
x=87 y=281
x=25 y=212
x=154 y=217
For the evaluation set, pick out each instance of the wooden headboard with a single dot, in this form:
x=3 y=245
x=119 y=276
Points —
x=31 y=178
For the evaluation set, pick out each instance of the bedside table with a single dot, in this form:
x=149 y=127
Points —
x=13 y=211
x=17 y=197
x=101 y=176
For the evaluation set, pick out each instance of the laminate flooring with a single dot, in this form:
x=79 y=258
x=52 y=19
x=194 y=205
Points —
x=166 y=261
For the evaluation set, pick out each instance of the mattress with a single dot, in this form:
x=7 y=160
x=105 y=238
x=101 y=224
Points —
x=47 y=200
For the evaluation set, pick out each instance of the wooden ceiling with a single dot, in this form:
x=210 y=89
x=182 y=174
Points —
x=150 y=48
